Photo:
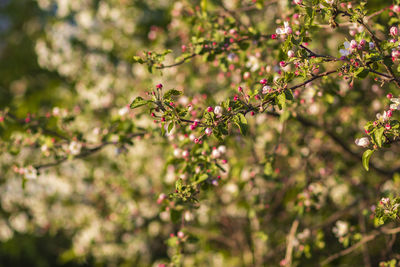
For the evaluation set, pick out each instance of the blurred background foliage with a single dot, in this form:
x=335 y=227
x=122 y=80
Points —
x=119 y=192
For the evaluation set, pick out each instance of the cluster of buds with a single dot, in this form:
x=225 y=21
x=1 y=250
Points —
x=194 y=125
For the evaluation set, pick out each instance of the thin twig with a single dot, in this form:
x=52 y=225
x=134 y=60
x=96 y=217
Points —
x=363 y=241
x=290 y=244
x=83 y=154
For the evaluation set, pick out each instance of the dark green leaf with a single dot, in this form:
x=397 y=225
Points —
x=138 y=102
x=172 y=92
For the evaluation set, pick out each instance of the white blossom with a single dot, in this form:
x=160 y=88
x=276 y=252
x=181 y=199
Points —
x=30 y=173
x=347 y=49
x=363 y=142
x=284 y=30
x=215 y=153
x=382 y=117
x=341 y=228
x=218 y=111
x=266 y=89
x=396 y=103
x=222 y=149
x=75 y=148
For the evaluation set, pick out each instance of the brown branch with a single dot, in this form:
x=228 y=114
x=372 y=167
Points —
x=313 y=78
x=376 y=42
x=338 y=140
x=83 y=154
x=290 y=240
x=35 y=125
x=327 y=58
x=177 y=63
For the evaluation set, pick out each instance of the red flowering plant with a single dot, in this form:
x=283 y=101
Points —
x=245 y=149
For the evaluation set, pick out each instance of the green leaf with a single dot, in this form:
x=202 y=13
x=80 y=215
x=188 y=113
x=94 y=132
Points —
x=162 y=129
x=137 y=59
x=170 y=126
x=289 y=94
x=281 y=100
x=361 y=72
x=166 y=52
x=202 y=178
x=172 y=92
x=138 y=102
x=365 y=158
x=241 y=122
x=378 y=136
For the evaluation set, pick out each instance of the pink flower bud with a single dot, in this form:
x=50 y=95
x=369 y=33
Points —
x=263 y=81
x=159 y=86
x=387 y=126
x=210 y=109
x=208 y=131
x=353 y=44
x=240 y=89
x=394 y=31
x=389 y=96
x=298 y=2
x=273 y=36
x=290 y=53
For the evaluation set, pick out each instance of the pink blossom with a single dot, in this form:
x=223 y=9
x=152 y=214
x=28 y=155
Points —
x=394 y=31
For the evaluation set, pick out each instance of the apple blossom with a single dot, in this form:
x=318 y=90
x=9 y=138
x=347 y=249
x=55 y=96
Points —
x=396 y=104
x=74 y=148
x=363 y=142
x=382 y=117
x=30 y=173
x=394 y=31
x=218 y=111
x=347 y=50
x=284 y=30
